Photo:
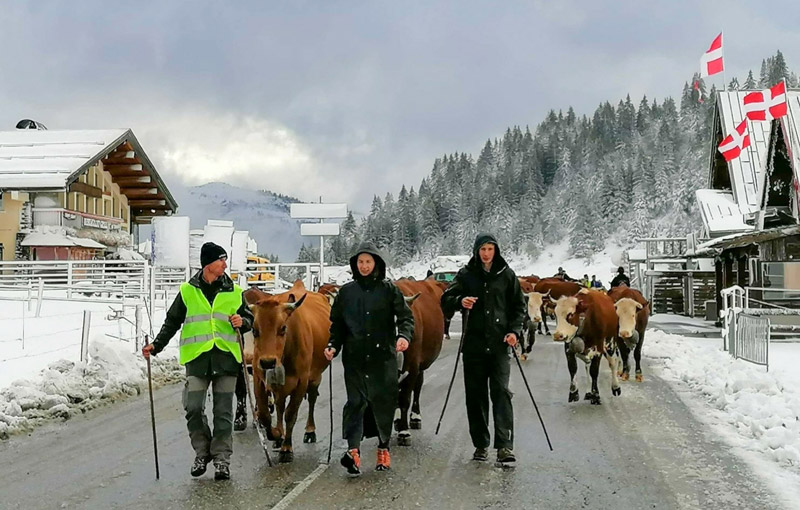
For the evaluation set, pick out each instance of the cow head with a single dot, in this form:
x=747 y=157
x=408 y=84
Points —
x=568 y=318
x=270 y=330
x=535 y=301
x=626 y=311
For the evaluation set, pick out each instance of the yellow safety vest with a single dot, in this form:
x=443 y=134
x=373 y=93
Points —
x=207 y=325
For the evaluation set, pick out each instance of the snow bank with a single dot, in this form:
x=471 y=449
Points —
x=752 y=409
x=66 y=388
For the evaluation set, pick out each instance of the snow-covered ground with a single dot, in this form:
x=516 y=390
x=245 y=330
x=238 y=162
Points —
x=41 y=375
x=756 y=412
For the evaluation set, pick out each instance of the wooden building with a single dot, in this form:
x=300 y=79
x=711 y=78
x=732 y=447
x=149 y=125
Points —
x=75 y=193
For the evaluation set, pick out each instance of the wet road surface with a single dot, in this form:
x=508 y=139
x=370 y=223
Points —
x=641 y=450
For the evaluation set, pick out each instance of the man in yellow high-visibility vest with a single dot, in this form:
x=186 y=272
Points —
x=207 y=310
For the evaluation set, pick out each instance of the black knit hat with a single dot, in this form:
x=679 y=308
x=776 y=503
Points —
x=211 y=252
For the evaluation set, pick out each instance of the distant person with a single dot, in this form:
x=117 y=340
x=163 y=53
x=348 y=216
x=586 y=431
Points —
x=207 y=309
x=586 y=282
x=595 y=283
x=620 y=278
x=563 y=275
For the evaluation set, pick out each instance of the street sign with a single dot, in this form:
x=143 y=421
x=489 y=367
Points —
x=318 y=211
x=319 y=229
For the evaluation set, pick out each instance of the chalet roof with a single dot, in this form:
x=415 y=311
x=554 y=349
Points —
x=720 y=213
x=40 y=160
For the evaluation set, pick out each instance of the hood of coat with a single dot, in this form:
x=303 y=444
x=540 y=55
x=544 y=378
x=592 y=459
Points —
x=379 y=273
x=498 y=263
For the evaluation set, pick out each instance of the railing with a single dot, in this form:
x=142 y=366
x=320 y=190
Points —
x=96 y=275
x=279 y=276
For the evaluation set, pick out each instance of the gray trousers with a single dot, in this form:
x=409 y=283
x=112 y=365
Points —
x=219 y=446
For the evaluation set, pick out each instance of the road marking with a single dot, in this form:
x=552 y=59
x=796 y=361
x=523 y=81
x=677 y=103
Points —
x=286 y=501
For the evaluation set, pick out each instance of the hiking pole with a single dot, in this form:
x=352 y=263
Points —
x=330 y=390
x=251 y=397
x=525 y=380
x=455 y=368
x=152 y=408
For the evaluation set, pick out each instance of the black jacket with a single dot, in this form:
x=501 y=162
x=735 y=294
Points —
x=500 y=308
x=369 y=314
x=213 y=362
x=620 y=279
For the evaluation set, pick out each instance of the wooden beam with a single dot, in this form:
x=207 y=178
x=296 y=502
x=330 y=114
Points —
x=133 y=181
x=121 y=161
x=141 y=193
x=144 y=204
x=86 y=189
x=112 y=167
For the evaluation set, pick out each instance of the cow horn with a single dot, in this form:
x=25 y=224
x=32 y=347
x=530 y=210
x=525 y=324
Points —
x=410 y=299
x=292 y=306
x=527 y=294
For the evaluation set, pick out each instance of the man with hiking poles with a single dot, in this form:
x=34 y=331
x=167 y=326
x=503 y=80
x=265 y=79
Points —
x=490 y=290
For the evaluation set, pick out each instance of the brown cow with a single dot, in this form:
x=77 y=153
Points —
x=331 y=290
x=587 y=324
x=422 y=352
x=633 y=311
x=290 y=333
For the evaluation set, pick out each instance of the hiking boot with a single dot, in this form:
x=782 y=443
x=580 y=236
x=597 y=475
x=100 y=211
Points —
x=506 y=456
x=240 y=423
x=223 y=471
x=481 y=454
x=384 y=461
x=351 y=460
x=199 y=466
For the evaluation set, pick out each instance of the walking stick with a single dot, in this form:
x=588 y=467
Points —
x=330 y=390
x=525 y=380
x=250 y=399
x=152 y=408
x=455 y=368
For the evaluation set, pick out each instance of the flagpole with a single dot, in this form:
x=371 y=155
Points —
x=724 y=79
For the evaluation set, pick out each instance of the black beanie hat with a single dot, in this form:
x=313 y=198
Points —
x=211 y=252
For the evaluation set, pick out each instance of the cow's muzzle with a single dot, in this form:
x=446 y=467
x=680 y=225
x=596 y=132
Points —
x=267 y=364
x=275 y=376
x=631 y=340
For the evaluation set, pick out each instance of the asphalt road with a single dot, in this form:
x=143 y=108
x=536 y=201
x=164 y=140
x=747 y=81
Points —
x=639 y=451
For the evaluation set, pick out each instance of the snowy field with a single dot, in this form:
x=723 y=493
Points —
x=41 y=375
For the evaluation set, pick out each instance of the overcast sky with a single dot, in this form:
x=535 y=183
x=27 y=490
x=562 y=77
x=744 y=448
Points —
x=347 y=99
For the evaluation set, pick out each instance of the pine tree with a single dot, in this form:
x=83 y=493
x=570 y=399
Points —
x=750 y=82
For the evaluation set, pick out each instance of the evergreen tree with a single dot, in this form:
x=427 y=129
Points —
x=750 y=82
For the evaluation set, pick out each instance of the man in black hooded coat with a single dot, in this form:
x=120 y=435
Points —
x=371 y=321
x=490 y=290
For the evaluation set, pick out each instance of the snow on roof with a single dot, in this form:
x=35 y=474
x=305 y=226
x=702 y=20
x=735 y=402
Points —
x=58 y=239
x=721 y=215
x=637 y=254
x=33 y=159
x=748 y=170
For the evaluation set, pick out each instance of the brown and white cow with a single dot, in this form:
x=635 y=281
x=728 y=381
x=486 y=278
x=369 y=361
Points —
x=424 y=299
x=527 y=284
x=290 y=333
x=541 y=301
x=587 y=324
x=633 y=311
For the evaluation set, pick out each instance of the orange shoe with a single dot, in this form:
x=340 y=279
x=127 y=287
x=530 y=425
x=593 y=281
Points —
x=351 y=460
x=384 y=460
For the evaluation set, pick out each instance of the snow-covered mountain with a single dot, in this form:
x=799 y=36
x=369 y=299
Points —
x=263 y=213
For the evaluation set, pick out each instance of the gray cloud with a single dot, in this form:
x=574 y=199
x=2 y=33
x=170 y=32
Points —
x=349 y=99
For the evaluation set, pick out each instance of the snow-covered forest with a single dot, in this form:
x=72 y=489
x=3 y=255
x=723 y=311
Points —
x=628 y=170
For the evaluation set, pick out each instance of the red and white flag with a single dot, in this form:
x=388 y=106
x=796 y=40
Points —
x=711 y=61
x=766 y=104
x=733 y=144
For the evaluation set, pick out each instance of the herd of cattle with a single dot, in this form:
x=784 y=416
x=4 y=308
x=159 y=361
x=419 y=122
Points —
x=291 y=329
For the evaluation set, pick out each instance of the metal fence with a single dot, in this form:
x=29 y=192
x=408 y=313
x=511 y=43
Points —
x=119 y=276
x=751 y=340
